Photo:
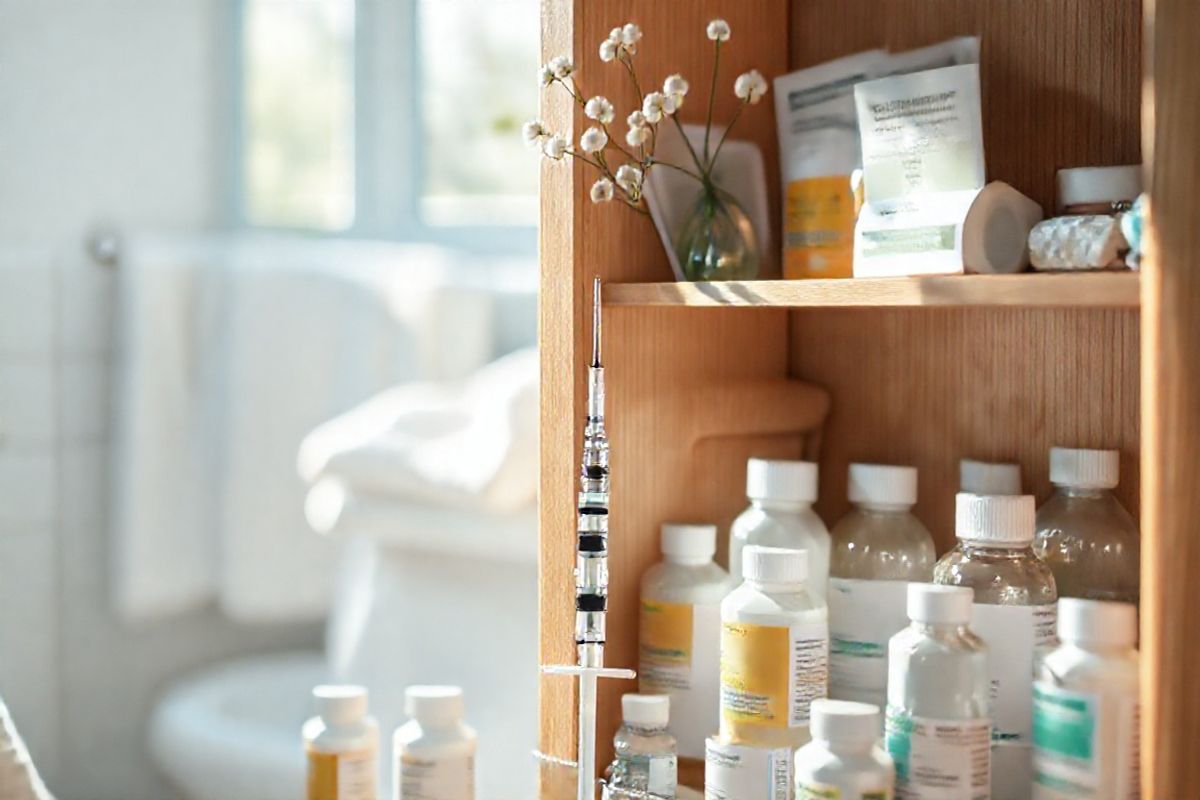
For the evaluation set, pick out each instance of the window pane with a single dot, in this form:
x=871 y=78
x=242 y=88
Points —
x=299 y=113
x=478 y=68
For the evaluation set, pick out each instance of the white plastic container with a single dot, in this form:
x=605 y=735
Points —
x=342 y=746
x=938 y=728
x=679 y=632
x=774 y=651
x=645 y=761
x=988 y=477
x=1014 y=613
x=877 y=549
x=1085 y=706
x=434 y=752
x=738 y=772
x=781 y=495
x=844 y=760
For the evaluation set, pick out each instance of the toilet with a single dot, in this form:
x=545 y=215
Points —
x=455 y=606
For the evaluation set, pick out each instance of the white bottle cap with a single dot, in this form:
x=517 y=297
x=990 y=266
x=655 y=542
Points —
x=844 y=721
x=988 y=477
x=646 y=710
x=882 y=484
x=434 y=705
x=1087 y=185
x=774 y=565
x=1000 y=520
x=1097 y=622
x=782 y=481
x=340 y=704
x=689 y=543
x=935 y=604
x=1084 y=469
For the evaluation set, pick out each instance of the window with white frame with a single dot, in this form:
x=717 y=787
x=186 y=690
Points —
x=388 y=118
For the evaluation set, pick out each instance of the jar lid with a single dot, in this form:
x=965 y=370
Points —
x=646 y=710
x=1083 y=621
x=936 y=604
x=340 y=704
x=783 y=481
x=1084 y=185
x=844 y=721
x=434 y=705
x=1084 y=469
x=774 y=565
x=882 y=484
x=1001 y=520
x=987 y=477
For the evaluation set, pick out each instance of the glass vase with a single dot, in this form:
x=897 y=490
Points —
x=717 y=240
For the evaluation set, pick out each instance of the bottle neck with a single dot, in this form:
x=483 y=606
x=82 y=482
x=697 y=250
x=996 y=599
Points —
x=996 y=549
x=678 y=560
x=883 y=508
x=940 y=628
x=644 y=730
x=1099 y=648
x=847 y=746
x=783 y=506
x=775 y=587
x=438 y=723
x=1081 y=492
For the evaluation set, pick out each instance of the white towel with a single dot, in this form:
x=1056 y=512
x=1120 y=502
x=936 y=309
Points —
x=469 y=447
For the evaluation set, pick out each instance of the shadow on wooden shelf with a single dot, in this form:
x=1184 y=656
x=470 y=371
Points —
x=1114 y=289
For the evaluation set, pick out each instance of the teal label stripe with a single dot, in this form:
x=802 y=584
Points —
x=898 y=740
x=852 y=647
x=1063 y=724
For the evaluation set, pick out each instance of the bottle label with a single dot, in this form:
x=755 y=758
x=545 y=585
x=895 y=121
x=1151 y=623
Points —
x=342 y=776
x=1017 y=639
x=679 y=655
x=939 y=759
x=770 y=675
x=818 y=234
x=734 y=772
x=639 y=775
x=1068 y=729
x=863 y=617
x=450 y=778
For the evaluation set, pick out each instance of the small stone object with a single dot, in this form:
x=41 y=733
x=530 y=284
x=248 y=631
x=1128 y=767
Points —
x=1077 y=243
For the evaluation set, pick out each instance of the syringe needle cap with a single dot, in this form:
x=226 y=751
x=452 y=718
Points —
x=596 y=321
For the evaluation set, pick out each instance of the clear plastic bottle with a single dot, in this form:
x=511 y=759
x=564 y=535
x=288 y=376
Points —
x=988 y=477
x=774 y=651
x=645 y=762
x=844 y=760
x=434 y=752
x=938 y=699
x=1085 y=706
x=877 y=549
x=342 y=746
x=1086 y=536
x=1014 y=614
x=680 y=633
x=781 y=494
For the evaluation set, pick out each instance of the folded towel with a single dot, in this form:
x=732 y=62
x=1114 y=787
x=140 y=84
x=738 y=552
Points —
x=467 y=447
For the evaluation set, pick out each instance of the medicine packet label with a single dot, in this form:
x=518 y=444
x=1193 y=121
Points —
x=736 y=772
x=939 y=759
x=818 y=227
x=451 y=778
x=679 y=655
x=770 y=675
x=342 y=776
x=1017 y=639
x=863 y=617
x=1068 y=731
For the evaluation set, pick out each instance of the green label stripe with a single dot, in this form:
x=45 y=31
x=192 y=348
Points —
x=807 y=791
x=853 y=647
x=1062 y=724
x=898 y=740
x=928 y=239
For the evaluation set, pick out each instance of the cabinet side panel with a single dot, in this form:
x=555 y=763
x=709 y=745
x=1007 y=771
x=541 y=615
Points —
x=927 y=387
x=1061 y=78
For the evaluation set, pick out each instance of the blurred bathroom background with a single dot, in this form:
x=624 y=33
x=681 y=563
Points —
x=267 y=386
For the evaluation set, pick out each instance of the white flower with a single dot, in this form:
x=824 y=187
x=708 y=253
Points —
x=718 y=30
x=614 y=35
x=675 y=86
x=630 y=34
x=655 y=105
x=555 y=146
x=637 y=135
x=629 y=178
x=750 y=86
x=593 y=140
x=545 y=75
x=608 y=50
x=602 y=191
x=533 y=132
x=636 y=119
x=600 y=109
x=562 y=66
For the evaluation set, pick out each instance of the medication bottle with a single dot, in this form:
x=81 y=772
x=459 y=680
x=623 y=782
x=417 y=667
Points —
x=877 y=549
x=843 y=760
x=1013 y=613
x=938 y=728
x=1089 y=540
x=1085 y=706
x=645 y=760
x=781 y=495
x=434 y=752
x=679 y=634
x=988 y=477
x=735 y=772
x=774 y=651
x=342 y=746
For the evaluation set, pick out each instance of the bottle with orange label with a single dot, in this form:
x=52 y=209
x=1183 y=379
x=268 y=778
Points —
x=342 y=746
x=774 y=651
x=680 y=632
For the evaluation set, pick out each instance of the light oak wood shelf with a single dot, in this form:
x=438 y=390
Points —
x=1051 y=290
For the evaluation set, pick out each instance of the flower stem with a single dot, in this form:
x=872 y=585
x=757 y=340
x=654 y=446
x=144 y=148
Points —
x=713 y=162
x=652 y=163
x=686 y=141
x=623 y=57
x=712 y=96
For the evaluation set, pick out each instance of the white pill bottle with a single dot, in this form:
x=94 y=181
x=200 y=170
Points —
x=434 y=752
x=341 y=745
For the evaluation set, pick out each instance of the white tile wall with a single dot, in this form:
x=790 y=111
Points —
x=27 y=413
x=26 y=302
